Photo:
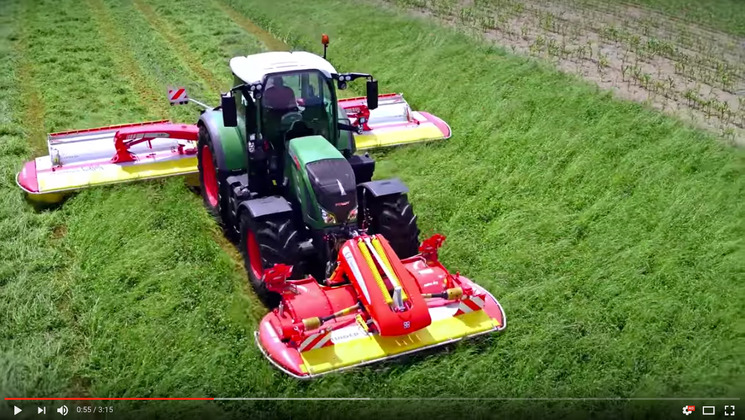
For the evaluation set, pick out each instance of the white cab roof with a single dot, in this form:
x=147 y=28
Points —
x=253 y=68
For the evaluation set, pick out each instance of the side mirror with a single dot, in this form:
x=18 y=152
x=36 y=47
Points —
x=229 y=113
x=372 y=94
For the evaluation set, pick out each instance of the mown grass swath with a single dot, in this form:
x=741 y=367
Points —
x=87 y=310
x=612 y=235
x=36 y=327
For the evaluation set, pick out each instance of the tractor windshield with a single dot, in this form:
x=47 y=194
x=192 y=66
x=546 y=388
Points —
x=297 y=104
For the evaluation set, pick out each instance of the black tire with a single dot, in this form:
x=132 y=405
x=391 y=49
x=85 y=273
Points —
x=394 y=218
x=220 y=209
x=278 y=242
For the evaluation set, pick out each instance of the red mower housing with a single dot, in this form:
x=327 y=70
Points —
x=373 y=307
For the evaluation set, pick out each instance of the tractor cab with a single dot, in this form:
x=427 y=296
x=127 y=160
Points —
x=296 y=104
x=281 y=96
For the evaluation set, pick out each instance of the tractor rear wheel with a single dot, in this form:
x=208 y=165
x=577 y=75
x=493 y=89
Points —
x=394 y=218
x=265 y=242
x=213 y=183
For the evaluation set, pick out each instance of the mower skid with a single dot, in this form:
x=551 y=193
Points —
x=109 y=155
x=365 y=332
x=392 y=123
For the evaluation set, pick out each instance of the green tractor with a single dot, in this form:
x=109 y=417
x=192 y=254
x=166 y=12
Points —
x=278 y=169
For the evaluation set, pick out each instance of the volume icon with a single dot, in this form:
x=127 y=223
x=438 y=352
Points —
x=62 y=410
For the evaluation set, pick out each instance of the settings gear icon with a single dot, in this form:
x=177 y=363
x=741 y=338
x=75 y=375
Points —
x=688 y=409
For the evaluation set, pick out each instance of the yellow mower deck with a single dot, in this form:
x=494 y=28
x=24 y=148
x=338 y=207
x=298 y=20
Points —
x=374 y=348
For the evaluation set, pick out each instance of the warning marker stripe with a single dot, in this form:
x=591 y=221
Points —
x=177 y=95
x=315 y=341
x=470 y=304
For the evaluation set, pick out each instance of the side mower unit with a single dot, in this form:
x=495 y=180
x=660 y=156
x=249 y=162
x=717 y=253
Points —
x=108 y=155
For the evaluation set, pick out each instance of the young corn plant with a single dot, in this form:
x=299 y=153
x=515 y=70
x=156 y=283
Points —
x=645 y=80
x=603 y=63
x=722 y=108
x=728 y=134
x=670 y=86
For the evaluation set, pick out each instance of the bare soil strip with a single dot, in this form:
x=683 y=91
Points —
x=687 y=71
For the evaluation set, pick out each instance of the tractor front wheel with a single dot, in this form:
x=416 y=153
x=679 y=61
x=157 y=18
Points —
x=265 y=242
x=394 y=218
x=213 y=182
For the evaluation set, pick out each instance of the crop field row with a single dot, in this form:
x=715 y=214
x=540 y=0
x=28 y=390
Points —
x=612 y=234
x=673 y=65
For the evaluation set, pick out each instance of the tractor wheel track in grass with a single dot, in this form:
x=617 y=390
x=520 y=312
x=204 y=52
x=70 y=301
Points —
x=191 y=59
x=144 y=86
x=159 y=25
x=147 y=88
x=271 y=43
x=33 y=106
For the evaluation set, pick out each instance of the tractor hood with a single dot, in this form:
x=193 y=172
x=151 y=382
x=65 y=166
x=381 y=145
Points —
x=324 y=181
x=334 y=186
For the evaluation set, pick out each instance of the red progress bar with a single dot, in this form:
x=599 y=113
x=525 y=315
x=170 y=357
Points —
x=108 y=399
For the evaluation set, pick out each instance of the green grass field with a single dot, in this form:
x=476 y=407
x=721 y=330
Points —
x=612 y=235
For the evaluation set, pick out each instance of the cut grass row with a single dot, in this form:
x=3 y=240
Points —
x=146 y=89
x=35 y=327
x=611 y=234
x=139 y=287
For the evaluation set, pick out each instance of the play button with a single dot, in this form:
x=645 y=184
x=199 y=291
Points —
x=16 y=410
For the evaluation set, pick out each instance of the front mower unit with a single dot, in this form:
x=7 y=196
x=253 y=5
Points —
x=373 y=307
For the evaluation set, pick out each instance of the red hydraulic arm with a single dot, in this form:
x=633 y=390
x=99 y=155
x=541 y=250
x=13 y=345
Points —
x=129 y=136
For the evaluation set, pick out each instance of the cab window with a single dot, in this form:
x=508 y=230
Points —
x=300 y=101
